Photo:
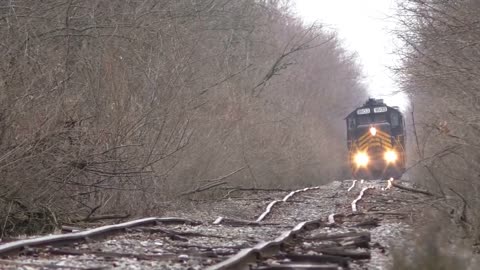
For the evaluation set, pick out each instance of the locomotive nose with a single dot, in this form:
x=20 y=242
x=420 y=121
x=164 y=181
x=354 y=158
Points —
x=375 y=152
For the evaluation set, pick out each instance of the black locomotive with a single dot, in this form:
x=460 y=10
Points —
x=376 y=141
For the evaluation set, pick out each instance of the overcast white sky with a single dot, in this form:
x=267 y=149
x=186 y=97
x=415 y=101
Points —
x=364 y=26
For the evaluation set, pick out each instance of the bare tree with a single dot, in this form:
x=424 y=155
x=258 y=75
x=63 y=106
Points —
x=440 y=70
x=109 y=104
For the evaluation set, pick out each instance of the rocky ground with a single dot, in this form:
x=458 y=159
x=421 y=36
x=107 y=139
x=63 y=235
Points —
x=360 y=235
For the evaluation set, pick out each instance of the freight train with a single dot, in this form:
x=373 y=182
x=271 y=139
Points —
x=376 y=141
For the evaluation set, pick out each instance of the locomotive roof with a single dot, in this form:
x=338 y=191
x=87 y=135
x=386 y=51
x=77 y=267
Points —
x=370 y=103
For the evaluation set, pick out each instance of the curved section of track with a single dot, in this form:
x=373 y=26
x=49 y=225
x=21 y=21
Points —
x=342 y=225
x=88 y=234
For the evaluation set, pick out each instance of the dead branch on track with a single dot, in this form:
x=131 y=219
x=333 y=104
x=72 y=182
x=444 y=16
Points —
x=255 y=189
x=77 y=252
x=101 y=217
x=413 y=189
x=176 y=233
x=342 y=261
x=354 y=254
x=287 y=266
x=337 y=236
x=210 y=247
x=46 y=266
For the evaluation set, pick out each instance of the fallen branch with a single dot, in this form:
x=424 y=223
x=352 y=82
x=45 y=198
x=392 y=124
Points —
x=337 y=236
x=353 y=254
x=232 y=190
x=212 y=183
x=177 y=233
x=46 y=266
x=241 y=246
x=288 y=266
x=342 y=261
x=344 y=240
x=101 y=217
x=204 y=188
x=463 y=213
x=362 y=241
x=255 y=189
x=76 y=252
x=414 y=190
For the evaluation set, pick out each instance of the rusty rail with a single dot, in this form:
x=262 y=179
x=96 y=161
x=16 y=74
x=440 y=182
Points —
x=240 y=260
x=360 y=196
x=19 y=245
x=285 y=199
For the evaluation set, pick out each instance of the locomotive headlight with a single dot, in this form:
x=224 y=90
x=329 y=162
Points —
x=361 y=159
x=373 y=131
x=390 y=156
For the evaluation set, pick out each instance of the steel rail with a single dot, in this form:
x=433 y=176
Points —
x=285 y=199
x=218 y=221
x=298 y=191
x=352 y=186
x=331 y=218
x=267 y=211
x=354 y=203
x=241 y=260
x=17 y=246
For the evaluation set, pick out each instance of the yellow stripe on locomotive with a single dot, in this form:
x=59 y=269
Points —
x=376 y=141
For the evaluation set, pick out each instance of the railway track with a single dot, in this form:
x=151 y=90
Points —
x=342 y=225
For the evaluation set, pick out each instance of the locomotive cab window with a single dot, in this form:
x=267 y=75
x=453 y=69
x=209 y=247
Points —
x=351 y=123
x=364 y=119
x=381 y=117
x=394 y=119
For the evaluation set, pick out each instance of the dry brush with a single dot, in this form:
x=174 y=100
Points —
x=121 y=106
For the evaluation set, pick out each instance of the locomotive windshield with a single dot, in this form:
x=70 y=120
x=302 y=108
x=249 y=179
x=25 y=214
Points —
x=380 y=117
x=367 y=119
x=364 y=119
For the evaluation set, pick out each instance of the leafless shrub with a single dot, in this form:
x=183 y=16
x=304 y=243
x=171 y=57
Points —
x=121 y=106
x=428 y=249
x=440 y=68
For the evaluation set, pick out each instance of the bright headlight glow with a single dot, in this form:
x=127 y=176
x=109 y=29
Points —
x=390 y=156
x=361 y=159
x=373 y=131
